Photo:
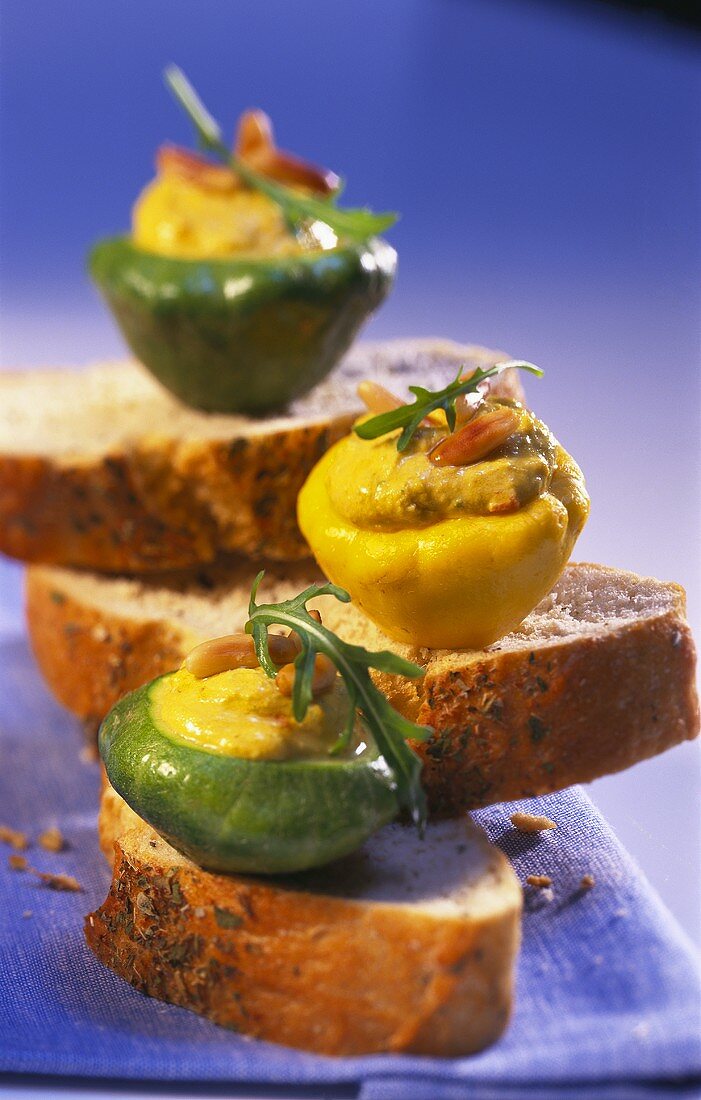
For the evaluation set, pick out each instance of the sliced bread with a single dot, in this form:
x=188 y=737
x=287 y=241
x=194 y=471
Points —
x=104 y=469
x=96 y=637
x=407 y=945
x=599 y=676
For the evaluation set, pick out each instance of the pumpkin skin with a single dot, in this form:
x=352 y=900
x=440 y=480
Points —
x=246 y=816
x=241 y=335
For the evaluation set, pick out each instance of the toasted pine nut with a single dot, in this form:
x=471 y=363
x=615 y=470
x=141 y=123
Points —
x=236 y=651
x=322 y=680
x=285 y=679
x=292 y=170
x=484 y=386
x=479 y=437
x=294 y=636
x=255 y=131
x=380 y=400
x=172 y=161
x=255 y=143
x=466 y=405
x=377 y=398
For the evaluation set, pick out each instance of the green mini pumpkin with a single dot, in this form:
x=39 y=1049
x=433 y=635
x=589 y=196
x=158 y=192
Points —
x=242 y=335
x=233 y=815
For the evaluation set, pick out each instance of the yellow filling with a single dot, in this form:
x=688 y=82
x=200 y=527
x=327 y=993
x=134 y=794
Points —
x=241 y=713
x=373 y=485
x=177 y=217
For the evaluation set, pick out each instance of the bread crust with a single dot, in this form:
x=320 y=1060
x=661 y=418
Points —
x=89 y=659
x=163 y=506
x=525 y=723
x=168 y=501
x=311 y=970
x=509 y=723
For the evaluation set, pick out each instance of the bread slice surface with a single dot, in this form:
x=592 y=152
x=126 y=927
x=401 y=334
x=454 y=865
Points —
x=600 y=676
x=408 y=945
x=102 y=468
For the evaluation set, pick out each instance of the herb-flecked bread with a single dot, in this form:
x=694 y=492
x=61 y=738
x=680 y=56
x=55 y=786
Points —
x=103 y=469
x=598 y=677
x=407 y=945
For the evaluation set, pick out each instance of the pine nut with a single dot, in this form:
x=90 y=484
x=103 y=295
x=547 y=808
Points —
x=377 y=398
x=466 y=405
x=236 y=651
x=255 y=144
x=323 y=679
x=255 y=131
x=294 y=636
x=478 y=438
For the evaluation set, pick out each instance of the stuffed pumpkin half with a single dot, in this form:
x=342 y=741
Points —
x=267 y=753
x=447 y=519
x=242 y=282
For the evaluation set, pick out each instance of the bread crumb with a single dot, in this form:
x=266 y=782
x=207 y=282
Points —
x=17 y=863
x=13 y=837
x=58 y=882
x=539 y=880
x=531 y=823
x=52 y=840
x=26 y=913
x=588 y=881
x=88 y=754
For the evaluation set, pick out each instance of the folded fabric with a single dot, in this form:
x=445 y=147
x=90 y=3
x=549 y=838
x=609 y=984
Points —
x=608 y=998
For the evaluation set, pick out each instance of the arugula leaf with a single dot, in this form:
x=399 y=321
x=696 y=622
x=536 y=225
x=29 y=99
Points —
x=409 y=417
x=388 y=727
x=353 y=224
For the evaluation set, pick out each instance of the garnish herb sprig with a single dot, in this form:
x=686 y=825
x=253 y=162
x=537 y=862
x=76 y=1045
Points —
x=409 y=417
x=388 y=727
x=353 y=224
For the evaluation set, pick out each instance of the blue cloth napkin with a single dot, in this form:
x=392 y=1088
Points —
x=608 y=996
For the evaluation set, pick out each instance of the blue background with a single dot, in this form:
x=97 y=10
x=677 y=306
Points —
x=545 y=159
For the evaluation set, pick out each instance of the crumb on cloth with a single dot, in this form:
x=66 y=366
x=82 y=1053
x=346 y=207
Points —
x=58 y=882
x=89 y=754
x=540 y=881
x=587 y=883
x=17 y=863
x=531 y=823
x=52 y=840
x=13 y=837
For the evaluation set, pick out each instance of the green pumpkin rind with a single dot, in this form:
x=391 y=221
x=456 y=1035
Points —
x=233 y=815
x=242 y=335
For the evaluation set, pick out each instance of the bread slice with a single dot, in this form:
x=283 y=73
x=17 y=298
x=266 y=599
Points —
x=408 y=945
x=598 y=677
x=104 y=469
x=96 y=637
